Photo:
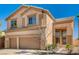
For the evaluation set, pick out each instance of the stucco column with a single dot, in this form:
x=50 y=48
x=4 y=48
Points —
x=7 y=42
x=42 y=41
x=69 y=35
x=26 y=21
x=17 y=42
x=60 y=38
x=37 y=19
x=54 y=40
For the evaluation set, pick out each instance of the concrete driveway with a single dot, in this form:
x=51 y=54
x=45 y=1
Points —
x=20 y=51
x=32 y=52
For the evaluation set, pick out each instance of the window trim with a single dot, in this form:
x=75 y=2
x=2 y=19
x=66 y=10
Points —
x=31 y=16
x=11 y=24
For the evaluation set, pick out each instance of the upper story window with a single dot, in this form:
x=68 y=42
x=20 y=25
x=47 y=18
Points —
x=57 y=34
x=13 y=24
x=64 y=33
x=32 y=20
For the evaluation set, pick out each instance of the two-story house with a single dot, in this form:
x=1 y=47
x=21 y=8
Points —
x=35 y=28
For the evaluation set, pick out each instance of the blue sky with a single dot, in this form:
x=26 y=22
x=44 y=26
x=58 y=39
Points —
x=57 y=10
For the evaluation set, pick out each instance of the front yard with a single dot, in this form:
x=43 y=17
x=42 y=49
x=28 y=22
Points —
x=36 y=52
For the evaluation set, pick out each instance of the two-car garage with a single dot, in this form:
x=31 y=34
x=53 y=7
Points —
x=29 y=39
x=25 y=42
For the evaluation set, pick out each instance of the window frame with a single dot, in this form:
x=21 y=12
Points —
x=35 y=20
x=12 y=26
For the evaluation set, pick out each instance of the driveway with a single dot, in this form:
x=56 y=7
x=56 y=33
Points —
x=20 y=52
x=34 y=52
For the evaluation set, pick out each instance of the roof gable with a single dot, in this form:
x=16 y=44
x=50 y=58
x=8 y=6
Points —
x=27 y=8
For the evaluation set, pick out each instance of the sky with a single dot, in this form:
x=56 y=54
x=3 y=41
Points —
x=57 y=10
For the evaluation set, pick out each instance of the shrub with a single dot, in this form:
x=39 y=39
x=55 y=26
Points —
x=68 y=46
x=51 y=46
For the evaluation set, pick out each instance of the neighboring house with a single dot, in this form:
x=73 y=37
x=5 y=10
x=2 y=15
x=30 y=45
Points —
x=35 y=28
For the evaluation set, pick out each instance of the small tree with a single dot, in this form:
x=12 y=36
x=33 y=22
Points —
x=53 y=47
x=68 y=47
x=49 y=47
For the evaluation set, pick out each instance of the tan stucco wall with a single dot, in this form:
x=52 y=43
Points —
x=49 y=30
x=24 y=32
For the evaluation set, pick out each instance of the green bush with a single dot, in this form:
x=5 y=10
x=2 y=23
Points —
x=48 y=47
x=68 y=46
x=51 y=46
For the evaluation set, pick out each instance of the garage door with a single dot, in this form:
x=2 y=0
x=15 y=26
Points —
x=13 y=43
x=30 y=43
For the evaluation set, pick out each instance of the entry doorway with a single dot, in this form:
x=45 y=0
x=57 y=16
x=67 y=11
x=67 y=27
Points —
x=57 y=37
x=60 y=36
